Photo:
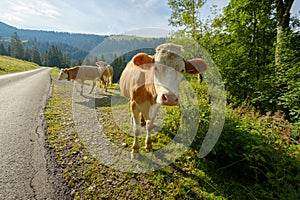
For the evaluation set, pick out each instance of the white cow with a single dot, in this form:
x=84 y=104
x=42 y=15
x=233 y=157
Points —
x=82 y=73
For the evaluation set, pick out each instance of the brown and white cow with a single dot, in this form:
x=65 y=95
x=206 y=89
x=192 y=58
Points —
x=151 y=81
x=82 y=73
x=107 y=74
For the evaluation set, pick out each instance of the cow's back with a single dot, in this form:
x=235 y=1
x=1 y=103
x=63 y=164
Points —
x=88 y=73
x=137 y=84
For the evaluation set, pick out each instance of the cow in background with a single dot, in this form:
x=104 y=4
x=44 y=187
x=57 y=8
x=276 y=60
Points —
x=82 y=73
x=107 y=74
x=151 y=81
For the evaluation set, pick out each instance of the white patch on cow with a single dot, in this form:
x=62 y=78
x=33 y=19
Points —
x=177 y=49
x=136 y=127
x=166 y=82
x=101 y=70
x=169 y=65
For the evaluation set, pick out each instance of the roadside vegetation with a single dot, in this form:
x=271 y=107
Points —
x=10 y=65
x=256 y=157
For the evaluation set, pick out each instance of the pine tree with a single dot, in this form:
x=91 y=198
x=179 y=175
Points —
x=3 y=50
x=35 y=55
x=16 y=47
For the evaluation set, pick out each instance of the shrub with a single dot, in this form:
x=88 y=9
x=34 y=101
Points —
x=260 y=152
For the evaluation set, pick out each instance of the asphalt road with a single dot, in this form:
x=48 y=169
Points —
x=27 y=167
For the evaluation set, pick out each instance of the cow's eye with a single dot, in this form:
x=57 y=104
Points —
x=182 y=71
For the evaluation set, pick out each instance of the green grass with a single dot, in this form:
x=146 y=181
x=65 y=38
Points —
x=10 y=65
x=257 y=157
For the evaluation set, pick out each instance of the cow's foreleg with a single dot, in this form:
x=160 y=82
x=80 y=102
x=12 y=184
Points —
x=94 y=83
x=148 y=145
x=110 y=81
x=81 y=91
x=136 y=130
x=106 y=85
x=149 y=122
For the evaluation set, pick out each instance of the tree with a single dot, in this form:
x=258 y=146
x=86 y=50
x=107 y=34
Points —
x=185 y=13
x=3 y=50
x=35 y=55
x=249 y=34
x=102 y=58
x=16 y=47
x=241 y=42
x=95 y=59
x=283 y=16
x=27 y=54
x=65 y=61
x=54 y=57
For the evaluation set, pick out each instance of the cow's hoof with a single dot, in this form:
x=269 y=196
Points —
x=148 y=147
x=134 y=154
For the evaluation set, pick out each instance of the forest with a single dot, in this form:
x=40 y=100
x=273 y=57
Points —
x=67 y=54
x=256 y=46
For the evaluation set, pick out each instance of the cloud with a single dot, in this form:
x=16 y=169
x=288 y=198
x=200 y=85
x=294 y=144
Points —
x=28 y=14
x=33 y=8
x=93 y=16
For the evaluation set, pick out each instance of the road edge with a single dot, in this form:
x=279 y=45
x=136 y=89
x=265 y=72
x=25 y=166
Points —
x=55 y=176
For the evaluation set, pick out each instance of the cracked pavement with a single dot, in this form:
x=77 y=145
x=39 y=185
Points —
x=27 y=168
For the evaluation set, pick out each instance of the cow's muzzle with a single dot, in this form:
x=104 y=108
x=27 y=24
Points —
x=170 y=99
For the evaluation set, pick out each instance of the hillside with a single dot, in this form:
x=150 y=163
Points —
x=115 y=46
x=10 y=65
x=79 y=47
x=82 y=41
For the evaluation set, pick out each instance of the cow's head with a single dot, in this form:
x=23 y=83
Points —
x=167 y=66
x=101 y=64
x=63 y=74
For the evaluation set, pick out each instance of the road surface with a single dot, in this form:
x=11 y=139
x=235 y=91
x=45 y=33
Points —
x=27 y=168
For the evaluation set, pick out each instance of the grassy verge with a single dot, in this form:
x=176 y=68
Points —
x=10 y=65
x=255 y=157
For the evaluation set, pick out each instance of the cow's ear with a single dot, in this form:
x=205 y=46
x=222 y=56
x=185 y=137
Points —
x=101 y=63
x=98 y=64
x=142 y=59
x=195 y=66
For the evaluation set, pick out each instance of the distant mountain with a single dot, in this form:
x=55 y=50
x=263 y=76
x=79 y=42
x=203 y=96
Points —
x=86 y=47
x=149 y=32
x=83 y=41
x=122 y=44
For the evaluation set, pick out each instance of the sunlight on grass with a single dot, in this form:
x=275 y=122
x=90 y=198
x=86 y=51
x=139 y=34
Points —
x=11 y=65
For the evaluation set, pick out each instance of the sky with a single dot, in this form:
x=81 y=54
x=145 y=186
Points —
x=96 y=16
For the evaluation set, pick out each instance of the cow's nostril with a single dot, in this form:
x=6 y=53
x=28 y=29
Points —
x=165 y=98
x=176 y=100
x=170 y=99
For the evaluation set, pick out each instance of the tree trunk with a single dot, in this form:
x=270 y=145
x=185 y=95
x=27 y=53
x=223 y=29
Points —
x=283 y=8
